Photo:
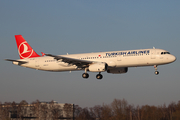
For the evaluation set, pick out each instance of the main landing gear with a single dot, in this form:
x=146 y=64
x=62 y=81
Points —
x=156 y=72
x=86 y=75
x=99 y=76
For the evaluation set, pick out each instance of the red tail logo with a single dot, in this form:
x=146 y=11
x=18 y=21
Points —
x=24 y=49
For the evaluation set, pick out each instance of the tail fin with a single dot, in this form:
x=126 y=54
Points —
x=24 y=49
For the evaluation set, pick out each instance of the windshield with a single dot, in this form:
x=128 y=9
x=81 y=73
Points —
x=162 y=53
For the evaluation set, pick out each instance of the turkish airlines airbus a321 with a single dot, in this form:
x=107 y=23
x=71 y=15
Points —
x=115 y=62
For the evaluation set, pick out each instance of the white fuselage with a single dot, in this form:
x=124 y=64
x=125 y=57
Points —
x=114 y=59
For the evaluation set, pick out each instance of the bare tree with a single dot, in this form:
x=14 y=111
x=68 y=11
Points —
x=1 y=111
x=68 y=109
x=130 y=112
x=44 y=111
x=119 y=109
x=171 y=109
x=22 y=109
x=163 y=111
x=6 y=108
x=14 y=110
x=107 y=113
x=56 y=110
x=35 y=108
x=96 y=111
x=85 y=115
x=176 y=114
x=138 y=113
x=77 y=111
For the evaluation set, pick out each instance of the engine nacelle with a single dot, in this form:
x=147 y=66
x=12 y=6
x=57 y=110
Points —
x=98 y=67
x=118 y=70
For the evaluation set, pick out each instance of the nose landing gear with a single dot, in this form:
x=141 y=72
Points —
x=156 y=72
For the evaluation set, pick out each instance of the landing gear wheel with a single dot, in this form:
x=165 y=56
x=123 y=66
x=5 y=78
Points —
x=156 y=72
x=99 y=76
x=85 y=75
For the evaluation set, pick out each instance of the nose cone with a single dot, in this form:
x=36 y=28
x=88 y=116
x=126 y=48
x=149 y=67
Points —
x=172 y=58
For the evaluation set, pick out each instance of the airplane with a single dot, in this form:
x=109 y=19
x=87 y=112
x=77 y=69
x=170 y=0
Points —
x=115 y=62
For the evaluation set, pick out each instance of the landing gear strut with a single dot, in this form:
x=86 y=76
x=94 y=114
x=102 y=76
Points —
x=156 y=72
x=85 y=75
x=99 y=76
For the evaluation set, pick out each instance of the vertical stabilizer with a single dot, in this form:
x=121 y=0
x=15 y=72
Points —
x=24 y=49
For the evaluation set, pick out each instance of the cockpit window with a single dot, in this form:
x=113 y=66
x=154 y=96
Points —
x=162 y=53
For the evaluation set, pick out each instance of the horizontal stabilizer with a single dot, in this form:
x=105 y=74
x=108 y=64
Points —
x=20 y=62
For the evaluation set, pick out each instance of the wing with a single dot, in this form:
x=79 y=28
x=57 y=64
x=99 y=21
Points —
x=73 y=61
x=19 y=62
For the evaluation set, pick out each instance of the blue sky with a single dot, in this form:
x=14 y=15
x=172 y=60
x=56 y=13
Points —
x=60 y=27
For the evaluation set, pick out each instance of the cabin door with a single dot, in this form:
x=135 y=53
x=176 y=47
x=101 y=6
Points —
x=36 y=63
x=119 y=58
x=153 y=53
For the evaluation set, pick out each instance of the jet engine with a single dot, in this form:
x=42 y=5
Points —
x=118 y=70
x=98 y=67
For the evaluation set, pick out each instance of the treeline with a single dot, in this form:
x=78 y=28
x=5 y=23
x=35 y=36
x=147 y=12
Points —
x=35 y=111
x=117 y=110
x=121 y=110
